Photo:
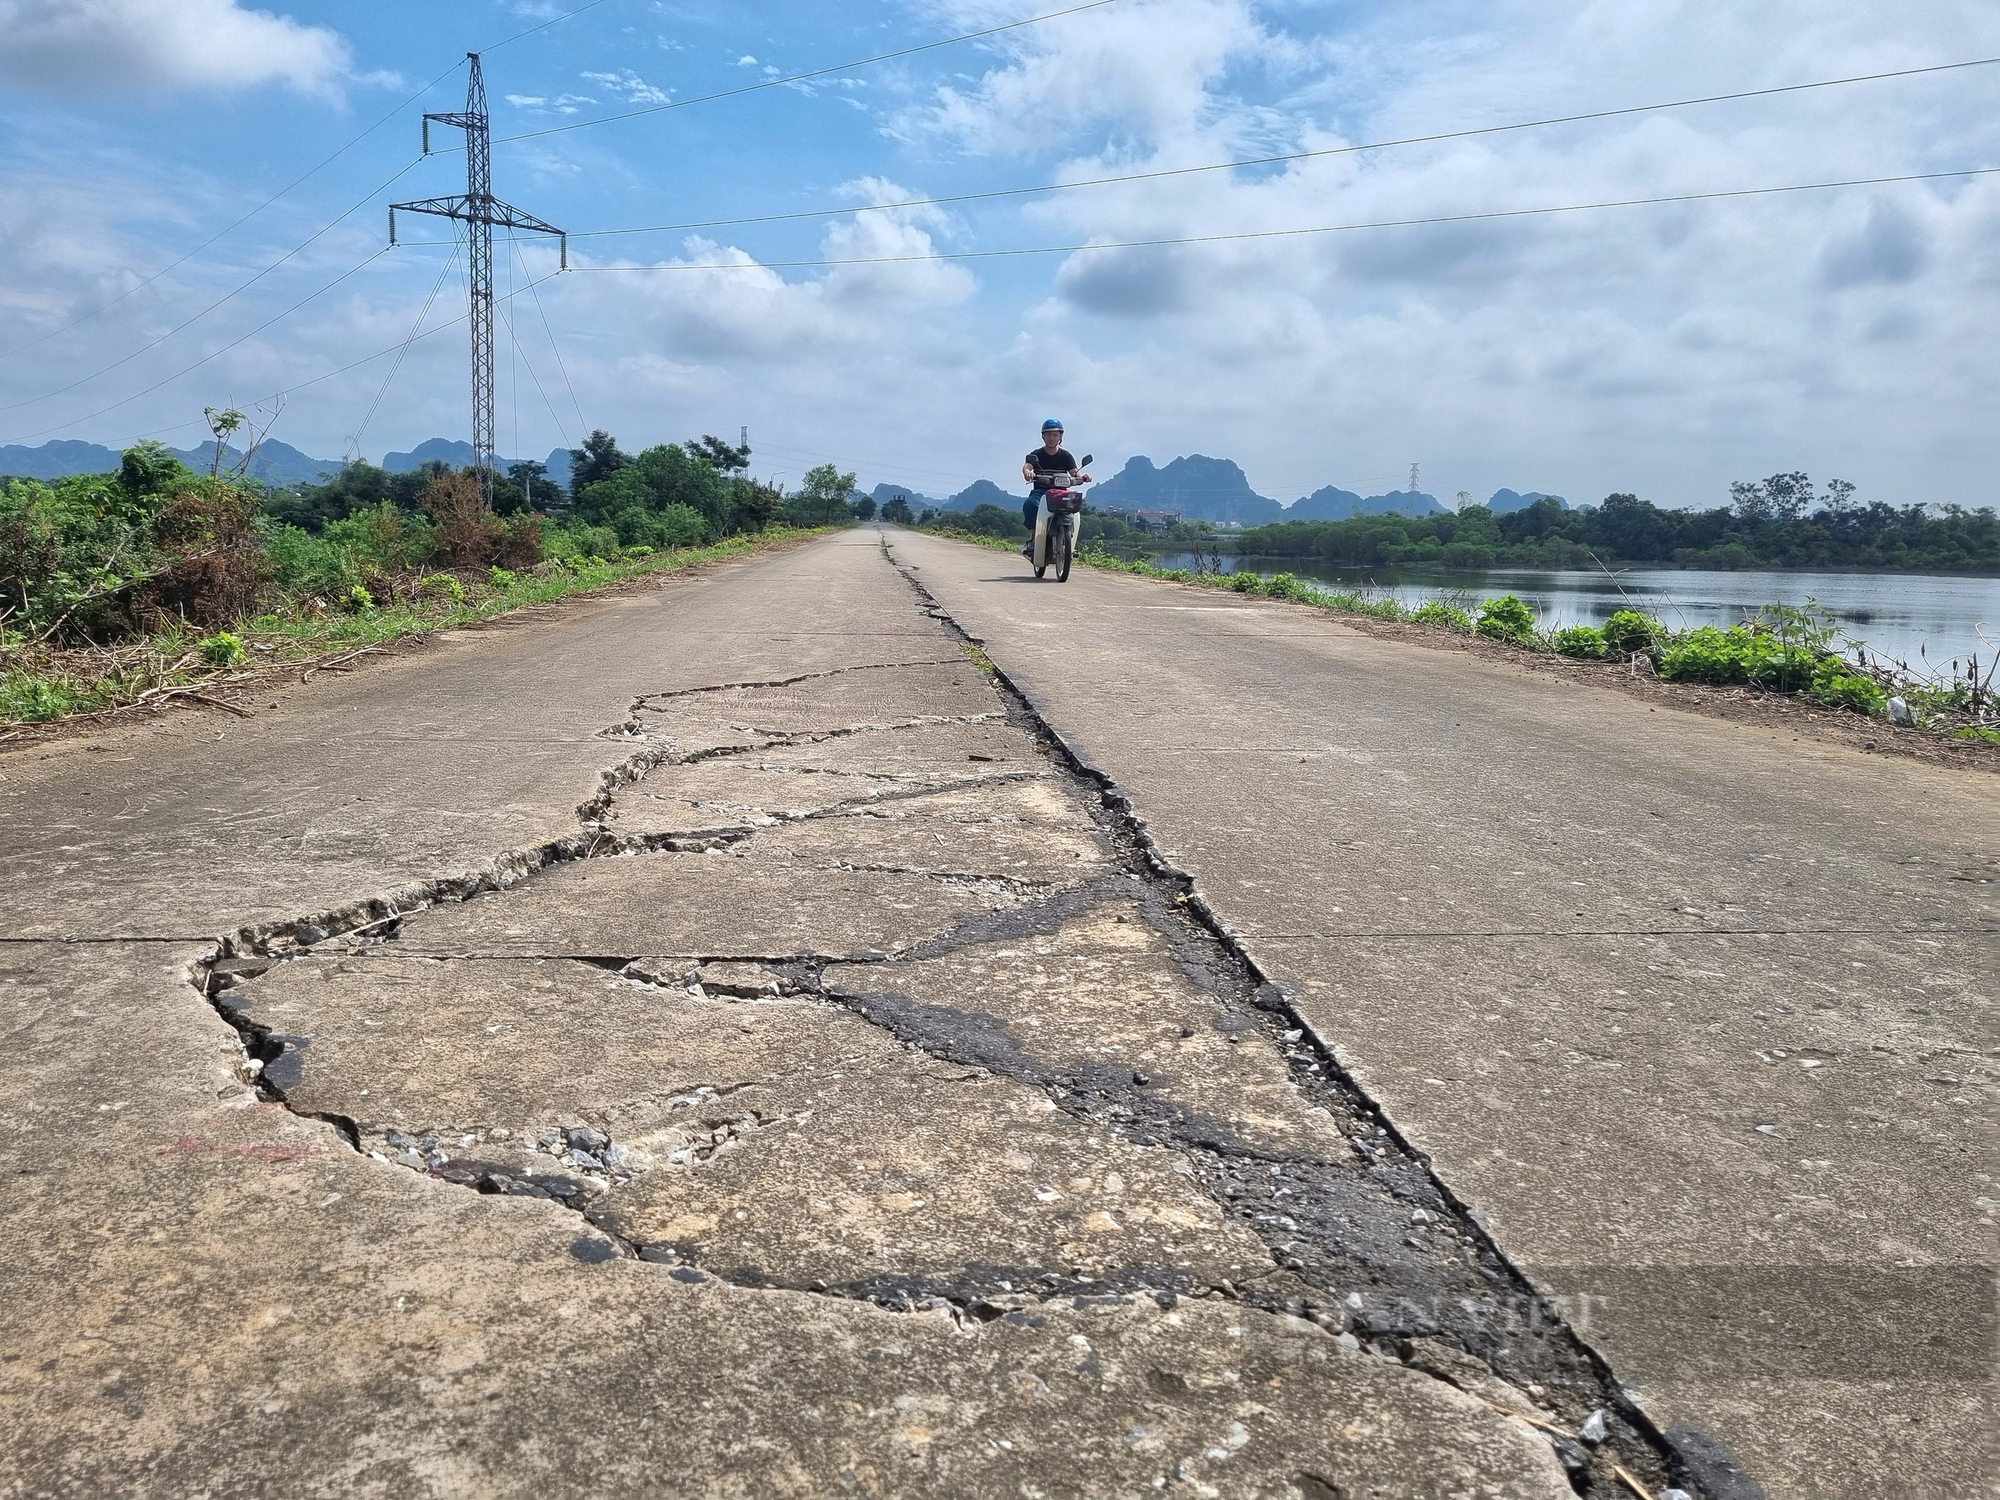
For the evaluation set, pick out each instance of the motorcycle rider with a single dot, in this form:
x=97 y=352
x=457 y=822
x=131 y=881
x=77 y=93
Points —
x=1048 y=467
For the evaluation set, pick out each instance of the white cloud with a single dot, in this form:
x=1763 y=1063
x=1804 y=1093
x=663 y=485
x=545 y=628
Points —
x=1666 y=349
x=628 y=86
x=96 y=46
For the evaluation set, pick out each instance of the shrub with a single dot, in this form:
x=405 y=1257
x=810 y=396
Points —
x=218 y=568
x=1436 y=612
x=1704 y=655
x=357 y=600
x=1838 y=685
x=502 y=578
x=1628 y=632
x=1769 y=662
x=222 y=649
x=32 y=700
x=1979 y=733
x=639 y=551
x=1585 y=641
x=575 y=540
x=1279 y=586
x=1246 y=582
x=522 y=545
x=441 y=588
x=1507 y=618
x=467 y=530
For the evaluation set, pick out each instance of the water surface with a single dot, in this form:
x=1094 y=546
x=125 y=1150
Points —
x=1898 y=615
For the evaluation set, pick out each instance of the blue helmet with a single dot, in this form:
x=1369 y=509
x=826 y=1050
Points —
x=1052 y=425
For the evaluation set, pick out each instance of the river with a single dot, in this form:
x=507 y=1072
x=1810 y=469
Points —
x=1896 y=615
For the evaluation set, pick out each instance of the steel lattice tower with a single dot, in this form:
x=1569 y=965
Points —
x=480 y=211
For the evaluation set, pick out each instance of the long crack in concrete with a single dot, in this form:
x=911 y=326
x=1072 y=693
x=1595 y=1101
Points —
x=856 y=983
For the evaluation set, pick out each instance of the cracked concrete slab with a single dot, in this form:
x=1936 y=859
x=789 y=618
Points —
x=1021 y=831
x=789 y=1141
x=1104 y=997
x=734 y=901
x=1465 y=877
x=255 y=1254
x=257 y=1309
x=946 y=687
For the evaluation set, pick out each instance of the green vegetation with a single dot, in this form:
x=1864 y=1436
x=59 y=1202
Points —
x=1583 y=641
x=1778 y=523
x=143 y=584
x=1507 y=618
x=1782 y=649
x=1434 y=612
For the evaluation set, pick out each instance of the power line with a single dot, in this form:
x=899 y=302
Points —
x=582 y=424
x=147 y=348
x=238 y=224
x=214 y=354
x=513 y=335
x=544 y=26
x=1265 y=234
x=1291 y=156
x=774 y=83
x=436 y=287
x=310 y=172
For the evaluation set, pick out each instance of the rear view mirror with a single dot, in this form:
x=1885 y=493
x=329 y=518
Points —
x=1086 y=460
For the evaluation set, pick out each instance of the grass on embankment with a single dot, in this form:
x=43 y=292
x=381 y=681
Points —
x=156 y=670
x=1782 y=651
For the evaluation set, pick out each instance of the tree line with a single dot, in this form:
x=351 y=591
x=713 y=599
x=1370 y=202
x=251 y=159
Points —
x=1780 y=522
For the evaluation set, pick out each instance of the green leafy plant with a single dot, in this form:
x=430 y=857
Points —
x=1437 y=612
x=1585 y=641
x=1628 y=632
x=1705 y=654
x=503 y=578
x=1286 y=586
x=357 y=600
x=1246 y=582
x=222 y=649
x=1837 y=685
x=1508 y=618
x=441 y=588
x=1979 y=733
x=33 y=700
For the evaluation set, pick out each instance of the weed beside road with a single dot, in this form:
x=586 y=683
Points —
x=45 y=682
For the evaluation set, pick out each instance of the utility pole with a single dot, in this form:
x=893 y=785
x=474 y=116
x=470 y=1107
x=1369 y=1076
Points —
x=480 y=211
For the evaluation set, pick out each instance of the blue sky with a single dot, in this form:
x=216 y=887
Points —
x=1665 y=350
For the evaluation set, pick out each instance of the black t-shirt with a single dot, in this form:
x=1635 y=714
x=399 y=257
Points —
x=1047 y=465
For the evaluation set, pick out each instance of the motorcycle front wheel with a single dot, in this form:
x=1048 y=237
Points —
x=1065 y=546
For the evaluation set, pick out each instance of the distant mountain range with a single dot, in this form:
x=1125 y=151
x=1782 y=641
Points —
x=1215 y=489
x=458 y=455
x=1199 y=487
x=275 y=463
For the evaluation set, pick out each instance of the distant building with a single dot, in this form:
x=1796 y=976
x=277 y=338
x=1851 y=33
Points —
x=1145 y=520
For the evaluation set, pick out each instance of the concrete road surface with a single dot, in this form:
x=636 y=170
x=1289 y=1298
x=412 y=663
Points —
x=712 y=1041
x=1697 y=1018
x=701 y=1042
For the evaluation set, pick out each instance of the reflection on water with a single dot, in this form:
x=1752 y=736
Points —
x=1894 y=614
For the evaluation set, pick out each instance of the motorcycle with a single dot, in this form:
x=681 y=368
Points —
x=1058 y=524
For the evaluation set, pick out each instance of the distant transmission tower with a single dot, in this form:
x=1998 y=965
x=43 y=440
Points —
x=481 y=211
x=1413 y=479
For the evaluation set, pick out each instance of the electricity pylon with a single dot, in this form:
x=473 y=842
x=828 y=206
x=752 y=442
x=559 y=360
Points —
x=481 y=211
